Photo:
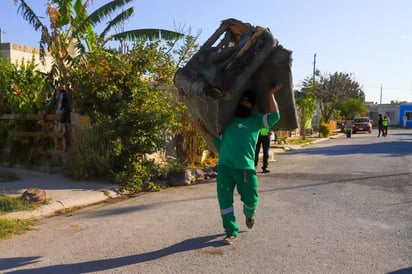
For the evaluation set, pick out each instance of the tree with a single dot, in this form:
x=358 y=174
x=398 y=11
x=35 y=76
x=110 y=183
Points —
x=351 y=107
x=397 y=102
x=23 y=88
x=333 y=89
x=306 y=103
x=71 y=28
x=129 y=98
x=116 y=24
x=129 y=111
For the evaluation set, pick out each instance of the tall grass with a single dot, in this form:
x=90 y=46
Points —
x=91 y=155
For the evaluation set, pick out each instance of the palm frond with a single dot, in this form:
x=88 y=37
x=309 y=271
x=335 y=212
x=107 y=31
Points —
x=28 y=14
x=147 y=34
x=54 y=71
x=118 y=21
x=45 y=41
x=106 y=10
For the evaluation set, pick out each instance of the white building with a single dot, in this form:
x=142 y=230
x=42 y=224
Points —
x=17 y=53
x=392 y=110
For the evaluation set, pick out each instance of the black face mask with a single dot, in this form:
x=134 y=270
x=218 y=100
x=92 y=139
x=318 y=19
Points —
x=243 y=111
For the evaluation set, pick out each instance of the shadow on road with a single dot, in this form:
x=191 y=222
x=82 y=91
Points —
x=407 y=270
x=105 y=264
x=390 y=149
x=396 y=180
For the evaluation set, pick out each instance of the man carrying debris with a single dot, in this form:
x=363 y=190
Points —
x=236 y=167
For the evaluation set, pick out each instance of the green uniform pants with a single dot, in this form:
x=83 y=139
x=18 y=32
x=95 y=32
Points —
x=246 y=184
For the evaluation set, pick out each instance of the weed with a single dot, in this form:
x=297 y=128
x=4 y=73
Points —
x=13 y=204
x=14 y=227
x=300 y=141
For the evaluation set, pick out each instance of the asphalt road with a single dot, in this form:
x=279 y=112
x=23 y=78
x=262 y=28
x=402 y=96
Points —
x=340 y=206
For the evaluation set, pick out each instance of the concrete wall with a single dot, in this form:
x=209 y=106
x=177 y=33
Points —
x=405 y=112
x=393 y=111
x=17 y=52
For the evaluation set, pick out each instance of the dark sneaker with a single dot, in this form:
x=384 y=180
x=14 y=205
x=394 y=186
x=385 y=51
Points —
x=250 y=221
x=265 y=170
x=230 y=239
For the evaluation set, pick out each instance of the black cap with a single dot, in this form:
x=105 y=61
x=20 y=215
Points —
x=249 y=95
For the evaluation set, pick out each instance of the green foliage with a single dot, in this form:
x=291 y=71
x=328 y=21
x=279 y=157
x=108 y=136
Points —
x=351 y=107
x=325 y=130
x=91 y=154
x=300 y=141
x=13 y=227
x=187 y=50
x=12 y=204
x=189 y=142
x=175 y=166
x=23 y=88
x=335 y=88
x=400 y=102
x=127 y=96
x=28 y=150
x=71 y=29
x=139 y=178
x=306 y=103
x=129 y=101
x=127 y=93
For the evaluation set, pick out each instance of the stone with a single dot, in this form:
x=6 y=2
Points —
x=34 y=195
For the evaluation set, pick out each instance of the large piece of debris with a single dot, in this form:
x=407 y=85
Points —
x=214 y=79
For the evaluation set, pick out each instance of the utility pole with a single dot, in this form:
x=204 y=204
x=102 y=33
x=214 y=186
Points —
x=380 y=102
x=314 y=81
x=314 y=67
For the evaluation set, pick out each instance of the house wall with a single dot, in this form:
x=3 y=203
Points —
x=393 y=111
x=17 y=53
x=405 y=112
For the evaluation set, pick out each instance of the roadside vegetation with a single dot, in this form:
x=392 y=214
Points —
x=8 y=228
x=13 y=204
x=10 y=204
x=123 y=81
x=127 y=92
x=336 y=96
x=300 y=141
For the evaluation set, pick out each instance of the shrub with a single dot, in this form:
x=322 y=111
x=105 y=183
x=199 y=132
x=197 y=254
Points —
x=12 y=204
x=23 y=88
x=325 y=130
x=91 y=155
x=131 y=107
x=139 y=178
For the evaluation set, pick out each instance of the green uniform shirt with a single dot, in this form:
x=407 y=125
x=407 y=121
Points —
x=238 y=141
x=385 y=121
x=264 y=131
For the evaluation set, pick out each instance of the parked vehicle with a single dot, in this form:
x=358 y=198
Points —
x=362 y=124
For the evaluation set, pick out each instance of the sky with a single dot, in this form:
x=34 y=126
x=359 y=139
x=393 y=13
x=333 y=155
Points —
x=371 y=40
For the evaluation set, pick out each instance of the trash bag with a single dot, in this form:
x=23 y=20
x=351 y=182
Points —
x=246 y=57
